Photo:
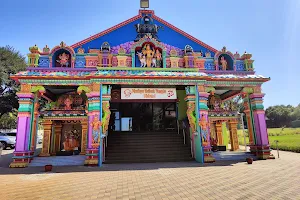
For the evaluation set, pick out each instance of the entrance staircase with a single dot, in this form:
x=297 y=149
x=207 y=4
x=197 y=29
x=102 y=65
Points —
x=146 y=147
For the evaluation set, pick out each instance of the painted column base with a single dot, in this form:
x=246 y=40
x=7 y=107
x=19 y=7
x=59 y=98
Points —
x=208 y=158
x=253 y=149
x=262 y=152
x=21 y=159
x=91 y=157
x=44 y=154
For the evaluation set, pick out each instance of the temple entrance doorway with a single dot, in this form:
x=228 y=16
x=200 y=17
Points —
x=144 y=116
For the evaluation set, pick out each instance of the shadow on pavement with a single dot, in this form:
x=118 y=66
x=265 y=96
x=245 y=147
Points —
x=116 y=167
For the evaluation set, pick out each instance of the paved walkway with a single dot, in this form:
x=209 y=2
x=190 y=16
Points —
x=270 y=179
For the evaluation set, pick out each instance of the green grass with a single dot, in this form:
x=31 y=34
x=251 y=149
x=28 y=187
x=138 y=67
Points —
x=288 y=138
x=286 y=142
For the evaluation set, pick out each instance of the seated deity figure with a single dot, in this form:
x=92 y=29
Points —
x=70 y=143
x=68 y=102
x=223 y=63
x=212 y=100
x=207 y=54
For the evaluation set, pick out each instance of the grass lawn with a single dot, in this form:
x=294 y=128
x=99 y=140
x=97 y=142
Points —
x=288 y=138
x=286 y=142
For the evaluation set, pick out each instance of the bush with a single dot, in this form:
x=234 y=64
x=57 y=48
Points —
x=296 y=124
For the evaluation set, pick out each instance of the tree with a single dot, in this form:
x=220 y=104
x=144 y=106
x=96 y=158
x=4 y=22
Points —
x=296 y=113
x=280 y=115
x=9 y=120
x=11 y=62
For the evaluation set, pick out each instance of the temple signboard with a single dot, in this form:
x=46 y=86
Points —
x=148 y=93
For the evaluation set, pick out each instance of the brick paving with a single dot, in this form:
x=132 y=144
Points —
x=270 y=179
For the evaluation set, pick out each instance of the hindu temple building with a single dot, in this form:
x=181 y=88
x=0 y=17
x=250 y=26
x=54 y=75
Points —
x=140 y=91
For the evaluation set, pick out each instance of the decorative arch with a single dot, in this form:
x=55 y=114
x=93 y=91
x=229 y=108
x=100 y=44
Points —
x=60 y=50
x=228 y=56
x=147 y=39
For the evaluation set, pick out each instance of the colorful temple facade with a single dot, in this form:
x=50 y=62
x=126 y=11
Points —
x=73 y=91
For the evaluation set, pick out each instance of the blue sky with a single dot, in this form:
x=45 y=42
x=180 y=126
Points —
x=268 y=29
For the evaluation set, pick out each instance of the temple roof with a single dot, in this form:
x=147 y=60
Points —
x=170 y=35
x=135 y=74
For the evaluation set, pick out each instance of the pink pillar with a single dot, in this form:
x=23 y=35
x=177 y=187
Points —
x=262 y=139
x=22 y=153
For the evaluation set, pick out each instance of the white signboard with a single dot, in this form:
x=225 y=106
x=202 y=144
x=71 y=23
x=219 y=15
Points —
x=148 y=93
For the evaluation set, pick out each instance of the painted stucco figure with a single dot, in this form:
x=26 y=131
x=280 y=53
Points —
x=106 y=117
x=223 y=63
x=204 y=127
x=191 y=115
x=96 y=124
x=149 y=54
x=158 y=58
x=63 y=59
x=68 y=103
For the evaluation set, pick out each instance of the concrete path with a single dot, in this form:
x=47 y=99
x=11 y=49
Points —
x=267 y=179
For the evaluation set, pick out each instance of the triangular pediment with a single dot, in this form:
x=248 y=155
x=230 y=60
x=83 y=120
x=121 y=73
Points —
x=126 y=32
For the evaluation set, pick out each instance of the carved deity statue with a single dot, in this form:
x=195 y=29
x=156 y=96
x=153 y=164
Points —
x=158 y=58
x=203 y=123
x=223 y=63
x=71 y=142
x=95 y=124
x=142 y=59
x=80 y=50
x=212 y=100
x=207 y=54
x=149 y=54
x=68 y=102
x=63 y=59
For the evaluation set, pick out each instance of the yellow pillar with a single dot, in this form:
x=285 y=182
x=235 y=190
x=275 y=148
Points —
x=57 y=138
x=47 y=124
x=249 y=121
x=219 y=133
x=233 y=135
x=84 y=128
x=34 y=125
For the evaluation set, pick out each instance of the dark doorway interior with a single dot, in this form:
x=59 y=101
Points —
x=143 y=116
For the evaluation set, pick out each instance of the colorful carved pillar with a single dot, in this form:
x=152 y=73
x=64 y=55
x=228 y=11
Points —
x=84 y=128
x=233 y=135
x=94 y=123
x=189 y=61
x=106 y=96
x=38 y=91
x=204 y=124
x=164 y=55
x=249 y=118
x=260 y=127
x=100 y=60
x=133 y=58
x=248 y=115
x=23 y=154
x=47 y=124
x=34 y=125
x=219 y=133
x=57 y=138
x=190 y=99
